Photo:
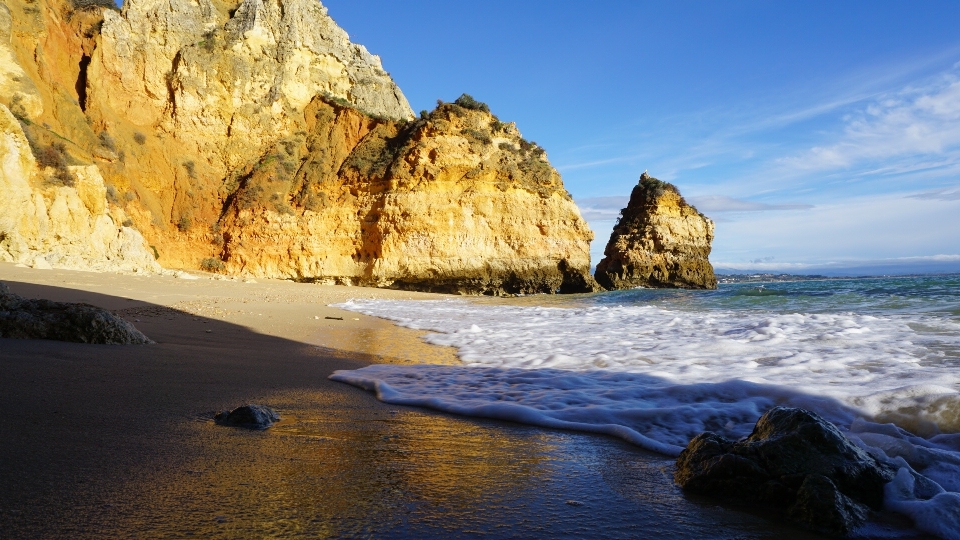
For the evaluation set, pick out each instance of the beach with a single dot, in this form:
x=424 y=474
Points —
x=118 y=441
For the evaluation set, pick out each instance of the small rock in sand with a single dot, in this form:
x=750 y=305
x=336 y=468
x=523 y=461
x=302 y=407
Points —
x=248 y=416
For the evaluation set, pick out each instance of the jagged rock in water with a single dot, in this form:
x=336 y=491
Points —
x=248 y=416
x=793 y=461
x=660 y=241
x=21 y=318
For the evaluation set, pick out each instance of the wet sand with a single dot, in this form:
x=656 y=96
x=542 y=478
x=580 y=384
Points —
x=118 y=441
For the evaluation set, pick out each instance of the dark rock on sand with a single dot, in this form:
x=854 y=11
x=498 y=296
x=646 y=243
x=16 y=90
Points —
x=22 y=318
x=793 y=461
x=248 y=416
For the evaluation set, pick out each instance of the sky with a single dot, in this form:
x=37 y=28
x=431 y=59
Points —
x=820 y=136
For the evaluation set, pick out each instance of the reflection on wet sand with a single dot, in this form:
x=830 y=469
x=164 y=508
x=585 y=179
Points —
x=379 y=338
x=349 y=472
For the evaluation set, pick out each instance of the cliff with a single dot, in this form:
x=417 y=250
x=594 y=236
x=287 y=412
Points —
x=659 y=241
x=54 y=207
x=254 y=138
x=455 y=201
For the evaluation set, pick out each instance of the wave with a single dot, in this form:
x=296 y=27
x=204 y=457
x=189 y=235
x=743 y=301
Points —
x=657 y=377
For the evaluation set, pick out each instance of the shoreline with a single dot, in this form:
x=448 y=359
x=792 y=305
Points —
x=107 y=441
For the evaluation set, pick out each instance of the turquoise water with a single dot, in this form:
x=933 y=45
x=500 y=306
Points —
x=931 y=295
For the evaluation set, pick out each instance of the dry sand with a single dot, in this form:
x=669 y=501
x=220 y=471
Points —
x=117 y=441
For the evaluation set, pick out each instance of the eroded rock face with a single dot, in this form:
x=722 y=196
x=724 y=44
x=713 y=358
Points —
x=456 y=202
x=231 y=82
x=254 y=138
x=660 y=241
x=794 y=461
x=58 y=216
x=21 y=318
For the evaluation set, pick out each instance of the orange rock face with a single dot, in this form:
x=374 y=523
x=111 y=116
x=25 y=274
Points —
x=254 y=138
x=456 y=202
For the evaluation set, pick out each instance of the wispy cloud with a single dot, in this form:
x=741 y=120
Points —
x=898 y=265
x=595 y=163
x=939 y=195
x=914 y=122
x=722 y=203
x=602 y=208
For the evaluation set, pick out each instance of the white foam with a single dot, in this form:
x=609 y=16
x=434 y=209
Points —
x=657 y=377
x=879 y=366
x=939 y=515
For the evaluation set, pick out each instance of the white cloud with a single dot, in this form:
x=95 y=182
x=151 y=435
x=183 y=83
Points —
x=914 y=122
x=594 y=163
x=859 y=229
x=939 y=195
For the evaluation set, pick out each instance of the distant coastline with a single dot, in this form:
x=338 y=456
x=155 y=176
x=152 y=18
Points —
x=761 y=277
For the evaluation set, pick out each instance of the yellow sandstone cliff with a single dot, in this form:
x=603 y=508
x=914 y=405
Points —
x=455 y=201
x=659 y=241
x=54 y=208
x=254 y=138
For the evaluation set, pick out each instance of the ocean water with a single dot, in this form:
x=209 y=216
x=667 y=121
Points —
x=878 y=357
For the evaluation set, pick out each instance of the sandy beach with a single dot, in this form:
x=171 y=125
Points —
x=118 y=441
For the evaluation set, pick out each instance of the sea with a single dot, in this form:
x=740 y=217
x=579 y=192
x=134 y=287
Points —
x=878 y=357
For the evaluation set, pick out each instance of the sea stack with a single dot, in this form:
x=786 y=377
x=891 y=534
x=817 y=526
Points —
x=659 y=242
x=255 y=139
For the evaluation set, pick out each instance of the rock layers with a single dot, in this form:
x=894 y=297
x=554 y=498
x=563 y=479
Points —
x=454 y=202
x=254 y=138
x=794 y=461
x=659 y=241
x=54 y=209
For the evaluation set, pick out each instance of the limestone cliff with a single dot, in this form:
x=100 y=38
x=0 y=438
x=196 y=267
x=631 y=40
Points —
x=659 y=241
x=252 y=137
x=54 y=210
x=455 y=201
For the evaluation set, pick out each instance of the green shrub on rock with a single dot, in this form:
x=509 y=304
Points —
x=467 y=102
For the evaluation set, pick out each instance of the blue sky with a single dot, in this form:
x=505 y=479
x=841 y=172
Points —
x=820 y=136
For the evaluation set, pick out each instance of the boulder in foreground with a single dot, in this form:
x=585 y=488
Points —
x=22 y=318
x=659 y=242
x=248 y=416
x=793 y=461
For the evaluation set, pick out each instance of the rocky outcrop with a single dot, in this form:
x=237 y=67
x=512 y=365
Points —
x=231 y=82
x=794 y=461
x=21 y=318
x=248 y=416
x=659 y=241
x=453 y=202
x=254 y=138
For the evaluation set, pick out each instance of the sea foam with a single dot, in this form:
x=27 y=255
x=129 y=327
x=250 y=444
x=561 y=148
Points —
x=657 y=377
